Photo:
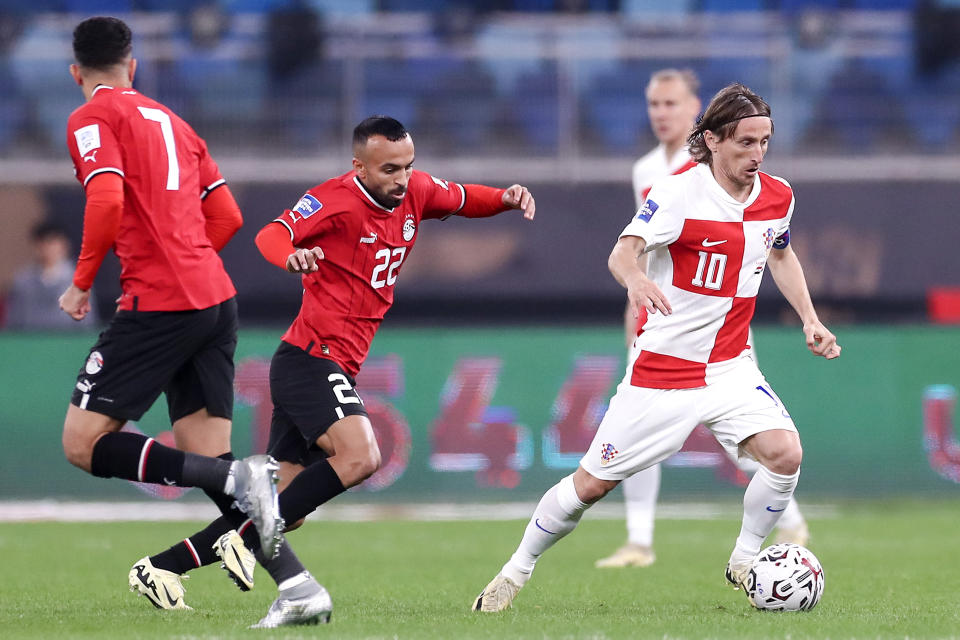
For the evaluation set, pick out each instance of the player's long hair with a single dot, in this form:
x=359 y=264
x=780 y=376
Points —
x=732 y=104
x=101 y=42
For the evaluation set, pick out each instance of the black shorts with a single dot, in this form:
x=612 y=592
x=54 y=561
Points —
x=309 y=394
x=186 y=354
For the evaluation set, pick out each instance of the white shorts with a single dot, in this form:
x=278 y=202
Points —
x=645 y=426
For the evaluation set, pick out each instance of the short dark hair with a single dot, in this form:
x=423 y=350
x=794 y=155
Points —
x=378 y=125
x=732 y=104
x=101 y=42
x=44 y=230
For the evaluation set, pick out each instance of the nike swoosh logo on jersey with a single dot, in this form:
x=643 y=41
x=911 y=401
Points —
x=707 y=243
x=370 y=240
x=775 y=510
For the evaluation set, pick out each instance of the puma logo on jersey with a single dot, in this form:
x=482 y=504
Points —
x=708 y=243
x=370 y=240
x=91 y=157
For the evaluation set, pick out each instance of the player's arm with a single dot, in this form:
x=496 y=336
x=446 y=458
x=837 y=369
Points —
x=629 y=319
x=101 y=224
x=482 y=201
x=275 y=245
x=223 y=217
x=625 y=263
x=788 y=274
x=477 y=200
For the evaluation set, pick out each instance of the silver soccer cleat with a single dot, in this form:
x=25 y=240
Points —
x=161 y=587
x=256 y=493
x=237 y=560
x=497 y=596
x=306 y=603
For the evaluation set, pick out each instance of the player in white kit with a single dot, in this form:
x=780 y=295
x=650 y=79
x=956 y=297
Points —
x=672 y=108
x=710 y=232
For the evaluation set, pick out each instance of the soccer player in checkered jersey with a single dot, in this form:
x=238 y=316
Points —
x=710 y=233
x=154 y=195
x=348 y=239
x=672 y=107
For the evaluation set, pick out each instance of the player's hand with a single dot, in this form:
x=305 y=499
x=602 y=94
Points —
x=304 y=260
x=75 y=302
x=821 y=341
x=519 y=197
x=643 y=293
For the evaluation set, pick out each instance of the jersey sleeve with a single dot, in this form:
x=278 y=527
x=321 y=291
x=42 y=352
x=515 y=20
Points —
x=306 y=218
x=782 y=232
x=658 y=220
x=441 y=198
x=210 y=177
x=93 y=143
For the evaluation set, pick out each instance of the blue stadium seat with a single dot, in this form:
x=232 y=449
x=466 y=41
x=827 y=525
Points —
x=932 y=107
x=640 y=7
x=719 y=6
x=530 y=6
x=339 y=7
x=797 y=6
x=533 y=108
x=884 y=4
x=414 y=5
x=12 y=108
x=615 y=109
x=462 y=106
x=98 y=7
x=178 y=6
x=496 y=37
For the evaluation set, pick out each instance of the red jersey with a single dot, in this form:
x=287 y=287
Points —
x=364 y=247
x=167 y=261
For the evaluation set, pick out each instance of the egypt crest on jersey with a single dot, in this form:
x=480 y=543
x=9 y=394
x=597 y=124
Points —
x=409 y=227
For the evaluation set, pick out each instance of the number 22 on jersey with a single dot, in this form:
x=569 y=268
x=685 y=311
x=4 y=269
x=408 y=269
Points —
x=388 y=261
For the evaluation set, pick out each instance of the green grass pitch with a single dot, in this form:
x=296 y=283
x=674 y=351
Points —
x=892 y=571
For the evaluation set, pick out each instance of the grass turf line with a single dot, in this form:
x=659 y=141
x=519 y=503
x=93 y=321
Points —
x=891 y=572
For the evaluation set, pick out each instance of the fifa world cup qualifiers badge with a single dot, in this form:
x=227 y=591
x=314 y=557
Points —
x=647 y=210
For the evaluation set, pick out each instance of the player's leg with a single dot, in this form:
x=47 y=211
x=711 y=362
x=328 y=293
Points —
x=640 y=493
x=640 y=428
x=792 y=526
x=747 y=417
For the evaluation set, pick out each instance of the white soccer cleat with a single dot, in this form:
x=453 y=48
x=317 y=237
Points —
x=497 y=596
x=306 y=603
x=256 y=492
x=742 y=578
x=161 y=587
x=629 y=555
x=237 y=560
x=799 y=535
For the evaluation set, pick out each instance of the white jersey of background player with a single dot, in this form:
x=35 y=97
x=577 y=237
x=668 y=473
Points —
x=672 y=107
x=711 y=232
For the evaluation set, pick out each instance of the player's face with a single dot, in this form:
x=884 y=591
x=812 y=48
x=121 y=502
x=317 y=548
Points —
x=738 y=158
x=385 y=167
x=672 y=110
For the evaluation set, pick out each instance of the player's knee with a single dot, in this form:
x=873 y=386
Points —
x=78 y=451
x=362 y=465
x=590 y=489
x=787 y=460
x=294 y=525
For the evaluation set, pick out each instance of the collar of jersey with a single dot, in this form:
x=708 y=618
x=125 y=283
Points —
x=720 y=191
x=98 y=87
x=369 y=197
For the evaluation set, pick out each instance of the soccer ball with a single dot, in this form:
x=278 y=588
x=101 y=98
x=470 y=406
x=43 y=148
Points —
x=785 y=577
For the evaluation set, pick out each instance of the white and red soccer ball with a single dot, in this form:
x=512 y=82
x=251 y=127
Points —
x=785 y=577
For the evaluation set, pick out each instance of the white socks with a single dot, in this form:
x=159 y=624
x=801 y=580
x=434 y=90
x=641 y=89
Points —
x=765 y=499
x=556 y=515
x=640 y=492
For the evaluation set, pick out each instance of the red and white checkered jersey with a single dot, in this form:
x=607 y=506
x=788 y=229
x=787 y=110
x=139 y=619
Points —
x=707 y=254
x=364 y=247
x=655 y=165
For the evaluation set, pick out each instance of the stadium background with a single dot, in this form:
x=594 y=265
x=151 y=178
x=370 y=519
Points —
x=503 y=347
